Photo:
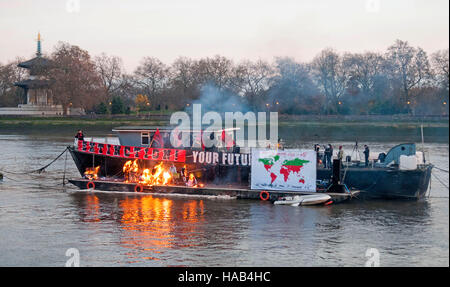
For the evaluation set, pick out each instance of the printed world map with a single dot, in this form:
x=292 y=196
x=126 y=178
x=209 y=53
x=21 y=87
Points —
x=284 y=170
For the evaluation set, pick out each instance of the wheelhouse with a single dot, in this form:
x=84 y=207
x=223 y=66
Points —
x=147 y=136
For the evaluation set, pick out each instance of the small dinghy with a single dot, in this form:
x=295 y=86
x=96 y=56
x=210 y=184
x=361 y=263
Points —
x=298 y=200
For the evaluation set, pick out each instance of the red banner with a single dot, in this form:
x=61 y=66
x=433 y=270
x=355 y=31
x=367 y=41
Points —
x=131 y=152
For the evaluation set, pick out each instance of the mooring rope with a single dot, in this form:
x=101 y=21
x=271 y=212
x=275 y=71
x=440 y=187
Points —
x=39 y=170
x=440 y=169
x=446 y=186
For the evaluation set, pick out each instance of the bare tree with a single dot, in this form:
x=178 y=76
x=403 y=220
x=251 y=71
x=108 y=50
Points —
x=11 y=95
x=184 y=83
x=252 y=80
x=365 y=69
x=292 y=89
x=440 y=66
x=75 y=80
x=331 y=77
x=216 y=71
x=409 y=66
x=110 y=70
x=152 y=77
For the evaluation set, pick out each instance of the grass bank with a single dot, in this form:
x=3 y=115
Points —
x=377 y=128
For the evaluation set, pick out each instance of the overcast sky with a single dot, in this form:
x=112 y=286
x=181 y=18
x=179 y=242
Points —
x=239 y=29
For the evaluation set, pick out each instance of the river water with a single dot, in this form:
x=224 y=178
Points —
x=40 y=220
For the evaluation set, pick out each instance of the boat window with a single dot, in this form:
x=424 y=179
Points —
x=145 y=138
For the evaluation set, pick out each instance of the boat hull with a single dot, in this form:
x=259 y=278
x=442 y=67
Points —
x=386 y=183
x=313 y=199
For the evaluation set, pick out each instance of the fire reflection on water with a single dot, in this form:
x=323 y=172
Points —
x=92 y=209
x=148 y=225
x=154 y=224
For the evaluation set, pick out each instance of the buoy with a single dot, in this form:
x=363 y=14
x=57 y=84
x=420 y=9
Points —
x=266 y=197
x=138 y=188
x=89 y=184
x=328 y=202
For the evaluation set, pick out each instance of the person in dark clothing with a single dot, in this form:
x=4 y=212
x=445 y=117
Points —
x=79 y=136
x=366 y=154
x=317 y=149
x=327 y=159
x=330 y=156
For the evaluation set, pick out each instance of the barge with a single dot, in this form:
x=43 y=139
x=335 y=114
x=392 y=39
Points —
x=226 y=168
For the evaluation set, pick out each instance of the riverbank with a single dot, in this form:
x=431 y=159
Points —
x=370 y=128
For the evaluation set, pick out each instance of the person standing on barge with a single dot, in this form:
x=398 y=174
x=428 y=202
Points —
x=340 y=154
x=79 y=136
x=366 y=155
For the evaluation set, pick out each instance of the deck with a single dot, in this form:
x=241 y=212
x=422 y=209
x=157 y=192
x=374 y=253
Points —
x=215 y=190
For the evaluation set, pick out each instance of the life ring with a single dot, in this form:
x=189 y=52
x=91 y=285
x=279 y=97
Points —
x=138 y=188
x=88 y=185
x=266 y=197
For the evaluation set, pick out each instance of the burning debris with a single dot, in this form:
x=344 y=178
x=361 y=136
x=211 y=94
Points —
x=91 y=173
x=130 y=170
x=192 y=182
x=158 y=175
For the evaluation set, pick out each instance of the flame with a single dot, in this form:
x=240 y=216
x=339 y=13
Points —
x=91 y=172
x=166 y=177
x=130 y=166
x=156 y=176
x=130 y=170
x=192 y=182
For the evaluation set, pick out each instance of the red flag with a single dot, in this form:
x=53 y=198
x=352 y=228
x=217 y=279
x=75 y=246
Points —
x=223 y=135
x=158 y=139
x=228 y=141
x=201 y=139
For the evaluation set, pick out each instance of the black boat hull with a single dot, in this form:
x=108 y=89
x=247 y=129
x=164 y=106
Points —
x=386 y=183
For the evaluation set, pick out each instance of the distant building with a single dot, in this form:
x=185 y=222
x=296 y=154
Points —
x=37 y=88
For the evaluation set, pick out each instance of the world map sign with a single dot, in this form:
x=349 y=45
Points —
x=288 y=170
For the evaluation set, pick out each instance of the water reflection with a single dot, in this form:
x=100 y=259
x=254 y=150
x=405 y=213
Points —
x=146 y=223
x=92 y=213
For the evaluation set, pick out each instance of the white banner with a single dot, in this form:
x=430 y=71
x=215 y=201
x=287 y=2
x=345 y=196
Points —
x=293 y=170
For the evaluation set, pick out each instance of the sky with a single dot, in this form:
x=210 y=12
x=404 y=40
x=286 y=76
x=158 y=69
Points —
x=238 y=29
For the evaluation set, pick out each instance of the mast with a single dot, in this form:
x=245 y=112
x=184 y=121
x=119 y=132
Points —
x=423 y=145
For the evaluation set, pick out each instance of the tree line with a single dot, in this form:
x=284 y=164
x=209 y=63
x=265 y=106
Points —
x=403 y=79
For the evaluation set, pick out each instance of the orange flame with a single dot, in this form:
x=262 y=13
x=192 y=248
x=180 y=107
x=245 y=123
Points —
x=156 y=176
x=130 y=170
x=91 y=172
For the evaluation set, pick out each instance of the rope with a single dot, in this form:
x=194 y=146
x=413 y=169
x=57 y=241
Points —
x=31 y=184
x=345 y=172
x=429 y=188
x=440 y=169
x=446 y=186
x=39 y=170
x=42 y=169
x=64 y=175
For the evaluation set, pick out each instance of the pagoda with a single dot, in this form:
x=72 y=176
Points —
x=37 y=89
x=37 y=86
